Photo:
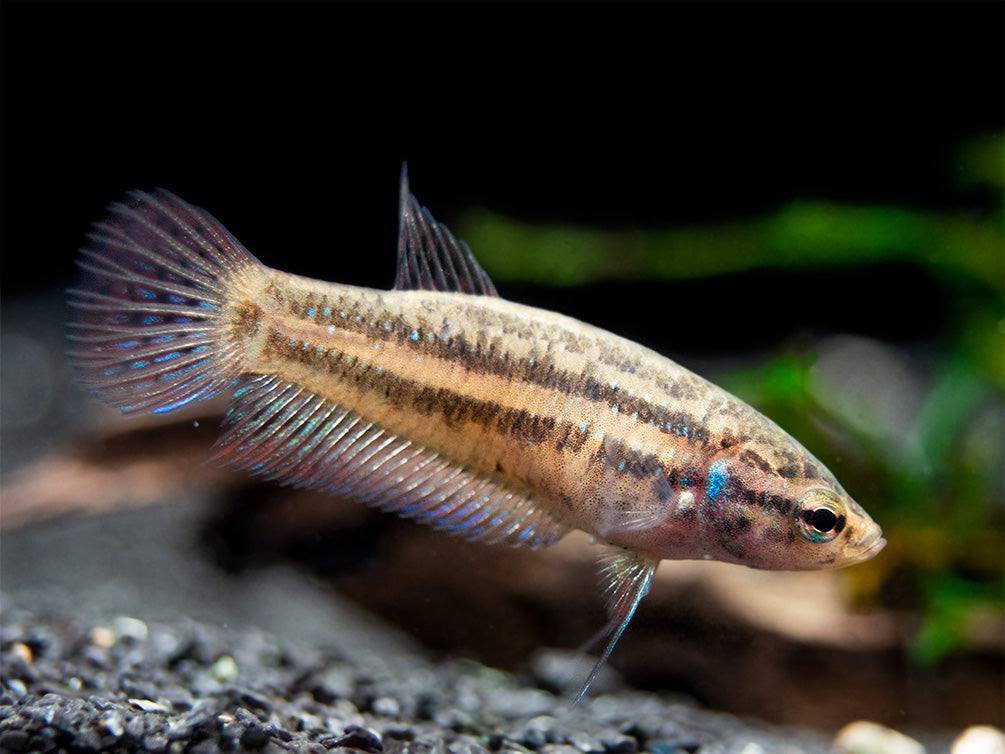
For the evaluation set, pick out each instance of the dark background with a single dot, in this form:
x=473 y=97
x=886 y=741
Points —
x=290 y=121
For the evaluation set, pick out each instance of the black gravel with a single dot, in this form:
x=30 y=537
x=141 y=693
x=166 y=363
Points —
x=122 y=685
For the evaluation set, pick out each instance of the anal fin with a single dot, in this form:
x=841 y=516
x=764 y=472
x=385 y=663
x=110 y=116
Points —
x=626 y=576
x=281 y=430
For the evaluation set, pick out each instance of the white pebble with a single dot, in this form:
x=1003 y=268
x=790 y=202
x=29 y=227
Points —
x=386 y=706
x=980 y=739
x=863 y=737
x=224 y=669
x=125 y=627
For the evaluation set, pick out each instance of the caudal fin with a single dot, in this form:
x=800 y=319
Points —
x=151 y=327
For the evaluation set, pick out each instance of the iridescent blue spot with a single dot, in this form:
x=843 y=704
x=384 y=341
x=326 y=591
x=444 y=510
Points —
x=716 y=478
x=310 y=311
x=327 y=310
x=582 y=427
x=415 y=335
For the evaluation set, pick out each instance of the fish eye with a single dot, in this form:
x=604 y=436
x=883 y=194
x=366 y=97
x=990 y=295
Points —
x=820 y=516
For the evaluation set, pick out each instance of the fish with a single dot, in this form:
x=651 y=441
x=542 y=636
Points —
x=442 y=402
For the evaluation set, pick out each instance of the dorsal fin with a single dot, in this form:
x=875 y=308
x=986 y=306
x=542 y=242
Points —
x=626 y=576
x=429 y=257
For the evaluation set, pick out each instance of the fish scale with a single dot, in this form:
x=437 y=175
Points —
x=442 y=402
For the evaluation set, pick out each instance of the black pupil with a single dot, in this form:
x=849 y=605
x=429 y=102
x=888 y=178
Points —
x=823 y=519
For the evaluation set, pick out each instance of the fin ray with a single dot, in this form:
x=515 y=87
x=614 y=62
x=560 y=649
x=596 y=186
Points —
x=626 y=576
x=429 y=257
x=280 y=430
x=150 y=323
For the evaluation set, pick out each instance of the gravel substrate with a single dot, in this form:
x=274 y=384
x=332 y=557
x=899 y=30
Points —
x=123 y=685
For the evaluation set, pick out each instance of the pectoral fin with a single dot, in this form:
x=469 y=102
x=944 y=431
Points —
x=626 y=576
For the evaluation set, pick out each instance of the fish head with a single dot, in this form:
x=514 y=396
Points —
x=763 y=510
x=831 y=530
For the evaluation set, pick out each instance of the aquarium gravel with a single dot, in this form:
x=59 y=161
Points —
x=124 y=685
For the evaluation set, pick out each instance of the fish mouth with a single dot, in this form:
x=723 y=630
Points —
x=872 y=542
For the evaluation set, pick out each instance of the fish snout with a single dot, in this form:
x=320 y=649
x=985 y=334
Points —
x=870 y=542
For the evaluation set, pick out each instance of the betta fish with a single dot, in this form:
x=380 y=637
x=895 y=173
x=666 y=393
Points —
x=442 y=402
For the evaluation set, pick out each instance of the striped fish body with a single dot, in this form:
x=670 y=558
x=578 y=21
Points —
x=606 y=436
x=442 y=402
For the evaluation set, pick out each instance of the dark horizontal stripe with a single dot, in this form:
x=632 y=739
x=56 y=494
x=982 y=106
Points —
x=456 y=409
x=385 y=327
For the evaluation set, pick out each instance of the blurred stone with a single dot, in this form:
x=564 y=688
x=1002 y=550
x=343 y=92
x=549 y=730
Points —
x=129 y=628
x=863 y=737
x=980 y=739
